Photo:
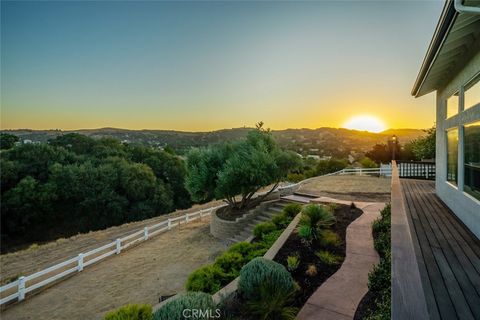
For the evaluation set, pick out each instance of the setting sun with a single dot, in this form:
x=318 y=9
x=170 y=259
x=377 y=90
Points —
x=365 y=123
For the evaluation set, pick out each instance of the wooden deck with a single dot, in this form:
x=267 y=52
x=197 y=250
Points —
x=448 y=254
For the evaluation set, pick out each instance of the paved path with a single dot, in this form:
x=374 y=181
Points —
x=338 y=297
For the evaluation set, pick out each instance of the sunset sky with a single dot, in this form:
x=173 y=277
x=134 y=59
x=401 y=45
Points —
x=209 y=65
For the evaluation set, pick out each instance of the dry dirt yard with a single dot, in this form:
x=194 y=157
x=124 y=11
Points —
x=349 y=187
x=25 y=262
x=142 y=274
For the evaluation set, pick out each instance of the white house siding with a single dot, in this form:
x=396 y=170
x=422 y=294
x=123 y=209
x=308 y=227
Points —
x=463 y=205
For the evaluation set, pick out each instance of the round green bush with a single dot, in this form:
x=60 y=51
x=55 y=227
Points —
x=292 y=209
x=131 y=312
x=281 y=220
x=230 y=262
x=207 y=279
x=260 y=272
x=268 y=239
x=175 y=308
x=263 y=228
x=248 y=250
x=316 y=216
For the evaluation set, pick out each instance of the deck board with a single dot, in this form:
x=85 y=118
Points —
x=448 y=254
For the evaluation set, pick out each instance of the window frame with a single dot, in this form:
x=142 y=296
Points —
x=475 y=80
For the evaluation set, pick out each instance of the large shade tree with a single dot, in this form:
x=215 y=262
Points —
x=236 y=171
x=424 y=147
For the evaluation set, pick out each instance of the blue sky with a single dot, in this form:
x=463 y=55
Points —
x=210 y=65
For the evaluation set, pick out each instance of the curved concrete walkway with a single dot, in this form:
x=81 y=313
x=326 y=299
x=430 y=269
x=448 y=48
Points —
x=338 y=297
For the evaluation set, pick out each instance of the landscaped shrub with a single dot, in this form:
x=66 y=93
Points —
x=281 y=220
x=131 y=312
x=316 y=217
x=269 y=239
x=249 y=250
x=295 y=177
x=242 y=248
x=262 y=271
x=293 y=262
x=311 y=270
x=292 y=209
x=230 y=262
x=306 y=233
x=382 y=243
x=273 y=302
x=328 y=238
x=379 y=279
x=207 y=279
x=174 y=309
x=328 y=257
x=262 y=228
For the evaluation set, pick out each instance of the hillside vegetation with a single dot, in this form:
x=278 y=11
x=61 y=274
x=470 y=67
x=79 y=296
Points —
x=78 y=184
x=336 y=142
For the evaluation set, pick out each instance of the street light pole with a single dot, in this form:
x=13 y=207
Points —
x=394 y=146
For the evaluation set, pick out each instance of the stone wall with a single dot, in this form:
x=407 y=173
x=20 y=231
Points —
x=227 y=229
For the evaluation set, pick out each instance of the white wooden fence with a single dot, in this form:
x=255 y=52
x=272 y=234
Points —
x=17 y=289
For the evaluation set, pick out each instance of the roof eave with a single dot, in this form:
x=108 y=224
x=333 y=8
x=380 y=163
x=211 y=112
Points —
x=444 y=24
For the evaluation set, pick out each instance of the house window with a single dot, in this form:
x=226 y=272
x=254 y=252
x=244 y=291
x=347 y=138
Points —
x=452 y=156
x=452 y=105
x=472 y=159
x=472 y=92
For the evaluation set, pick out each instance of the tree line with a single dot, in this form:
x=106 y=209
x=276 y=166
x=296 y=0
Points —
x=77 y=184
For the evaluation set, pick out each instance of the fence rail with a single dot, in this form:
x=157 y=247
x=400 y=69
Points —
x=416 y=169
x=16 y=290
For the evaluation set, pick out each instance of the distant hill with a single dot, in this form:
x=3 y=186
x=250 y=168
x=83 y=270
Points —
x=337 y=142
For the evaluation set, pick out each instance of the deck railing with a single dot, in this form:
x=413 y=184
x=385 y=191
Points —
x=408 y=298
x=416 y=169
x=17 y=289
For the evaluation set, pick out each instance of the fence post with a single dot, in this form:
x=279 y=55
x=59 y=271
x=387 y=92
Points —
x=186 y=218
x=119 y=246
x=145 y=233
x=21 y=288
x=80 y=262
x=169 y=224
x=201 y=215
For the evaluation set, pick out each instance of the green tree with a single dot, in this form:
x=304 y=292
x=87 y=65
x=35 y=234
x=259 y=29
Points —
x=239 y=169
x=7 y=140
x=78 y=184
x=366 y=162
x=330 y=166
x=380 y=153
x=424 y=147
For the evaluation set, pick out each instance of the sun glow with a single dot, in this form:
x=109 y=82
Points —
x=365 y=123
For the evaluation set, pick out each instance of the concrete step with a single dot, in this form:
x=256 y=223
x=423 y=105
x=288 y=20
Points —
x=269 y=214
x=275 y=208
x=245 y=234
x=262 y=217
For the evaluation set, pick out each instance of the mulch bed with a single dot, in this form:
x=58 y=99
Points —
x=295 y=246
x=230 y=214
x=366 y=304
